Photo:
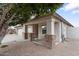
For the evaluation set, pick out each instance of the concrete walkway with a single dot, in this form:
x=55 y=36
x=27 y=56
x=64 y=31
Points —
x=27 y=48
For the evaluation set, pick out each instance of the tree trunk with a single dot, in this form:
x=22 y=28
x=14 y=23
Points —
x=4 y=23
x=3 y=31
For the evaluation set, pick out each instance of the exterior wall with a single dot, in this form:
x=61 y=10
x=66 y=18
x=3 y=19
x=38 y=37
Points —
x=30 y=29
x=73 y=33
x=58 y=31
x=40 y=35
x=20 y=33
x=64 y=30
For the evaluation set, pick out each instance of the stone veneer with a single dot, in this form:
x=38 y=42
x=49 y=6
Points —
x=50 y=39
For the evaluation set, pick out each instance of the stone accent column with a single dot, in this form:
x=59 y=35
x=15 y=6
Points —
x=50 y=33
x=50 y=41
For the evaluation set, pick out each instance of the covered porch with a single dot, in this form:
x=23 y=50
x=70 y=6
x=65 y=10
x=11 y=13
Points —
x=45 y=31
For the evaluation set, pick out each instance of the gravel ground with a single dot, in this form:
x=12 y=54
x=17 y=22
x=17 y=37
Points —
x=27 y=48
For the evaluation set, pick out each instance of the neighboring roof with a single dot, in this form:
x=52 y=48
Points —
x=55 y=15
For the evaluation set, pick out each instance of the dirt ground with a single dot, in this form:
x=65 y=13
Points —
x=26 y=48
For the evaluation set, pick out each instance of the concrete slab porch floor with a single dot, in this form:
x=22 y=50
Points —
x=27 y=48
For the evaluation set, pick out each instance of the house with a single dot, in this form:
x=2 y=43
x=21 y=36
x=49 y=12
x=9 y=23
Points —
x=51 y=28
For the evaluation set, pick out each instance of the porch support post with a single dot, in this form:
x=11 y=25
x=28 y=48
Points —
x=50 y=33
x=50 y=28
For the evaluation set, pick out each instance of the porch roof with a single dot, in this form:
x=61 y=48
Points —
x=42 y=19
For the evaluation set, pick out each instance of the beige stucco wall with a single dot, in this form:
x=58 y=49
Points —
x=21 y=33
x=73 y=33
x=40 y=35
x=64 y=30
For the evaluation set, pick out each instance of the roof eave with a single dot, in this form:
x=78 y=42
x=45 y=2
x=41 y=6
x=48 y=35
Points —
x=62 y=19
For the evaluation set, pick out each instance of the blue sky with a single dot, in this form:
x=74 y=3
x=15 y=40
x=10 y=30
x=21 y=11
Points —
x=70 y=12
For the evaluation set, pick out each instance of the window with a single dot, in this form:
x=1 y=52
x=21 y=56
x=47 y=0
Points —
x=44 y=31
